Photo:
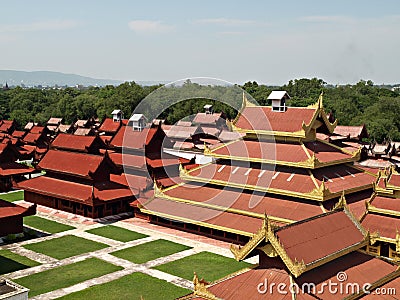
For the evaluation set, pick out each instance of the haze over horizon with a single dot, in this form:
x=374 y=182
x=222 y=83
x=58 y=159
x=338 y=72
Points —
x=340 y=42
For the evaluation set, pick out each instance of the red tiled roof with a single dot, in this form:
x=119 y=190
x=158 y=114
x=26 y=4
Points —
x=359 y=268
x=9 y=209
x=319 y=237
x=73 y=142
x=263 y=118
x=31 y=137
x=352 y=132
x=54 y=121
x=182 y=132
x=18 y=133
x=126 y=137
x=83 y=131
x=5 y=125
x=325 y=152
x=386 y=203
x=300 y=181
x=210 y=130
x=277 y=206
x=394 y=180
x=78 y=164
x=104 y=191
x=385 y=225
x=244 y=285
x=13 y=168
x=136 y=182
x=37 y=129
x=205 y=118
x=109 y=125
x=280 y=152
x=106 y=138
x=342 y=177
x=196 y=214
x=128 y=160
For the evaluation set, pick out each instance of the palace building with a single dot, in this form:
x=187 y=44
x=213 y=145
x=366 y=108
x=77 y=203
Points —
x=279 y=168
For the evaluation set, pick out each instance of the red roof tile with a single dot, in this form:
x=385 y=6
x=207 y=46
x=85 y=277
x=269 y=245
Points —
x=342 y=177
x=353 y=132
x=74 y=142
x=359 y=269
x=6 y=125
x=109 y=126
x=83 y=131
x=194 y=214
x=319 y=237
x=244 y=285
x=13 y=168
x=9 y=209
x=394 y=180
x=385 y=225
x=37 y=129
x=386 y=203
x=206 y=118
x=263 y=118
x=128 y=160
x=104 y=191
x=277 y=206
x=32 y=137
x=136 y=182
x=78 y=164
x=128 y=138
x=293 y=180
x=280 y=152
x=19 y=133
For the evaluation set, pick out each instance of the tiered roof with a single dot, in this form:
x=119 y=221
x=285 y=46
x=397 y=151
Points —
x=296 y=170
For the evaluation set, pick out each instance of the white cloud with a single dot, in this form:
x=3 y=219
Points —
x=225 y=22
x=51 y=25
x=146 y=26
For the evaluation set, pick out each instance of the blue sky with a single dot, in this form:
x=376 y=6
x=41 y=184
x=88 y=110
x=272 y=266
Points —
x=267 y=41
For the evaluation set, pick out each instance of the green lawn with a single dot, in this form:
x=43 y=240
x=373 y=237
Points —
x=13 y=196
x=11 y=262
x=133 y=286
x=65 y=246
x=145 y=252
x=207 y=265
x=65 y=276
x=46 y=225
x=117 y=233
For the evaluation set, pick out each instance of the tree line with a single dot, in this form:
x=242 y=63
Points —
x=361 y=103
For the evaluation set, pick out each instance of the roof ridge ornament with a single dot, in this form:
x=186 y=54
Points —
x=200 y=288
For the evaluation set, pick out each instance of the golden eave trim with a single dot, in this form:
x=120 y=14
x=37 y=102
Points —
x=373 y=209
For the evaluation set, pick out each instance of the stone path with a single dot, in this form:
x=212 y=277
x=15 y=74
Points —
x=82 y=224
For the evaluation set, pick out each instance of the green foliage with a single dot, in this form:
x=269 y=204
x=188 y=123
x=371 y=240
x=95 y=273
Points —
x=363 y=102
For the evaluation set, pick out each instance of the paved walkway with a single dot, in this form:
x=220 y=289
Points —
x=154 y=232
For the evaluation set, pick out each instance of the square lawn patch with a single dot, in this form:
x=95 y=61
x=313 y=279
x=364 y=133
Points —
x=65 y=276
x=11 y=262
x=65 y=246
x=117 y=233
x=134 y=286
x=149 y=251
x=46 y=225
x=13 y=196
x=208 y=265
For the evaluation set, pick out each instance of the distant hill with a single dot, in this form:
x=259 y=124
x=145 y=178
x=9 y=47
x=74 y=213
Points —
x=49 y=78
